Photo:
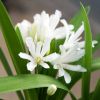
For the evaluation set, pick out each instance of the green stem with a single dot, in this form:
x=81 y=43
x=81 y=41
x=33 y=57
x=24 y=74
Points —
x=47 y=97
x=5 y=63
x=30 y=94
x=85 y=85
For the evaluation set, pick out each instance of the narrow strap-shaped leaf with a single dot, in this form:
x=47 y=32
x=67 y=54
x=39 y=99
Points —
x=8 y=70
x=73 y=97
x=11 y=39
x=21 y=82
x=5 y=63
x=88 y=56
x=96 y=94
x=90 y=95
x=20 y=37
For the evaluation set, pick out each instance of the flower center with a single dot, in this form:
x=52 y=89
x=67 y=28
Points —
x=38 y=60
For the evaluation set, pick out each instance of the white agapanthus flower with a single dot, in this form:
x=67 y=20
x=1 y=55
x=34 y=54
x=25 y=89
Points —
x=45 y=26
x=65 y=59
x=38 y=35
x=75 y=37
x=38 y=54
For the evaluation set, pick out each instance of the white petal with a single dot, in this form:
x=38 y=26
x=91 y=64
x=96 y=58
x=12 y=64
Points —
x=60 y=72
x=74 y=37
x=42 y=23
x=79 y=32
x=73 y=55
x=25 y=56
x=55 y=66
x=58 y=60
x=31 y=66
x=45 y=18
x=77 y=68
x=62 y=49
x=68 y=26
x=31 y=46
x=51 y=57
x=67 y=77
x=38 y=48
x=37 y=18
x=64 y=22
x=24 y=27
x=79 y=54
x=46 y=47
x=59 y=33
x=45 y=65
x=82 y=44
x=54 y=19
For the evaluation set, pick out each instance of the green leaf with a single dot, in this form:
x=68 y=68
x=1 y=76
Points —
x=90 y=95
x=12 y=40
x=5 y=63
x=73 y=97
x=21 y=82
x=8 y=70
x=53 y=46
x=88 y=56
x=20 y=38
x=96 y=94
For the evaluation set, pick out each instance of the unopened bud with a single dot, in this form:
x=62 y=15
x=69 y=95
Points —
x=51 y=89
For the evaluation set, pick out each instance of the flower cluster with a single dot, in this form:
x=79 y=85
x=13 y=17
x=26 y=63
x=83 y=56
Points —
x=37 y=37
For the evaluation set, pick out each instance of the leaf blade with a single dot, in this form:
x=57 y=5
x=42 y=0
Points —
x=5 y=63
x=96 y=94
x=11 y=39
x=20 y=82
x=88 y=56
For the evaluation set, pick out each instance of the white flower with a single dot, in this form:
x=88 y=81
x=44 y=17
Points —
x=38 y=54
x=45 y=26
x=65 y=59
x=64 y=31
x=24 y=28
x=75 y=37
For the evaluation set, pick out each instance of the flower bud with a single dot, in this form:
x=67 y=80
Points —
x=51 y=90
